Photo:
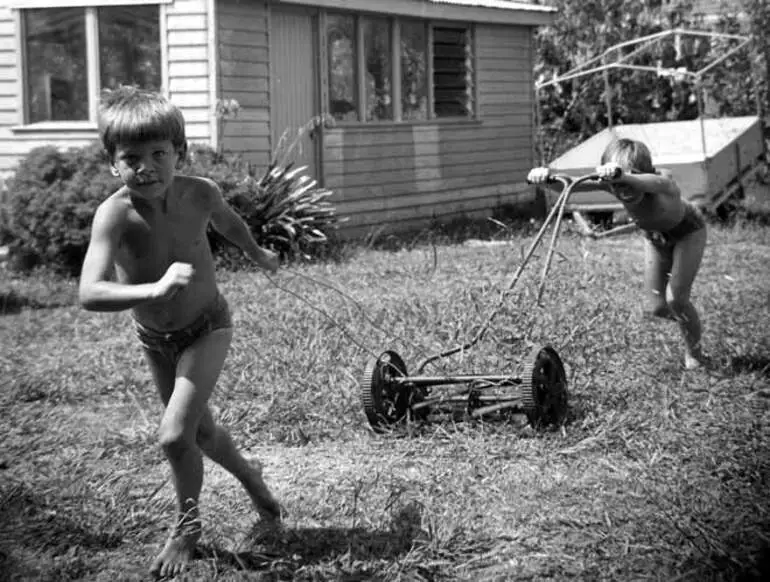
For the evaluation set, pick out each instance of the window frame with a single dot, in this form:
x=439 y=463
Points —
x=90 y=8
x=395 y=35
x=27 y=4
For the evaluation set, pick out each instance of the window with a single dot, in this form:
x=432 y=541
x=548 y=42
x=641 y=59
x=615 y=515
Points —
x=378 y=69
x=56 y=75
x=341 y=39
x=452 y=72
x=57 y=43
x=429 y=75
x=414 y=70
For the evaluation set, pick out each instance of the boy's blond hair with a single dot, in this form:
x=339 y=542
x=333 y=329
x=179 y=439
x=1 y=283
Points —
x=132 y=115
x=629 y=154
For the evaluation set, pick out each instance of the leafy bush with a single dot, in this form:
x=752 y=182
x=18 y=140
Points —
x=53 y=196
x=285 y=210
x=52 y=199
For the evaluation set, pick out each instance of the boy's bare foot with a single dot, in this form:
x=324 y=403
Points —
x=662 y=312
x=178 y=551
x=267 y=506
x=694 y=362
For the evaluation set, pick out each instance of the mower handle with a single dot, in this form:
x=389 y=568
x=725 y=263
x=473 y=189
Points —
x=569 y=181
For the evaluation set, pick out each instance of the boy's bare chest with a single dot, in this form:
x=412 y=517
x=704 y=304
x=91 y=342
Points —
x=161 y=239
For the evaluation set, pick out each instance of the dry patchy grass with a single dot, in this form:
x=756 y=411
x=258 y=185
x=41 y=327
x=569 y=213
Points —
x=658 y=474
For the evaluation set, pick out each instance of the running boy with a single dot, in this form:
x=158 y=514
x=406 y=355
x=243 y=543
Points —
x=153 y=231
x=674 y=230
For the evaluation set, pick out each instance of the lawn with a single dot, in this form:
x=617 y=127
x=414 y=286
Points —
x=658 y=474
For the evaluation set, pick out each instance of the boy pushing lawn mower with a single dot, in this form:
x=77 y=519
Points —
x=153 y=231
x=674 y=230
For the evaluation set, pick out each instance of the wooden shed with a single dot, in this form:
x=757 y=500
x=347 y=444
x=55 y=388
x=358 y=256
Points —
x=414 y=110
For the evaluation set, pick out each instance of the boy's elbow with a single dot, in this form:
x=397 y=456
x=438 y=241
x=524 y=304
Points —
x=86 y=298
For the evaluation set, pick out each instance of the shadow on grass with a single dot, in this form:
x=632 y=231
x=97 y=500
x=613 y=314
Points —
x=50 y=537
x=287 y=550
x=11 y=303
x=748 y=363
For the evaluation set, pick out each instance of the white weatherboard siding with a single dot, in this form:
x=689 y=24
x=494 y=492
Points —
x=188 y=65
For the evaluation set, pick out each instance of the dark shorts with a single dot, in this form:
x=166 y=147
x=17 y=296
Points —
x=691 y=222
x=173 y=343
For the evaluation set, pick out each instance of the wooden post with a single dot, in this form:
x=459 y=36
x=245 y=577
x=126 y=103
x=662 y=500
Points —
x=607 y=93
x=699 y=101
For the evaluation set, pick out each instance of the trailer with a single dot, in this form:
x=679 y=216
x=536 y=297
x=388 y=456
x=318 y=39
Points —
x=710 y=159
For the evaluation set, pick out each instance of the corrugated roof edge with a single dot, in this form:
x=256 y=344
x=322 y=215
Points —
x=501 y=4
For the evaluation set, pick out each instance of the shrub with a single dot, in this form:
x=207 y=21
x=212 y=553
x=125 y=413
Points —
x=285 y=210
x=53 y=196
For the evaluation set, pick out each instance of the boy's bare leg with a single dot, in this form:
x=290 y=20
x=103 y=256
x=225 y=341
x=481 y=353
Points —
x=688 y=254
x=657 y=270
x=217 y=444
x=195 y=377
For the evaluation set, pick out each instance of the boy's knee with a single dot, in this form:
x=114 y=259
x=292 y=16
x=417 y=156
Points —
x=206 y=435
x=173 y=440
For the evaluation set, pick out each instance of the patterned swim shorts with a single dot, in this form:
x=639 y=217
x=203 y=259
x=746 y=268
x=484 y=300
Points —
x=691 y=222
x=172 y=344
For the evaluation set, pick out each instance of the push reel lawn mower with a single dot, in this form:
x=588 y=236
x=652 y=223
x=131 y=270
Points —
x=538 y=389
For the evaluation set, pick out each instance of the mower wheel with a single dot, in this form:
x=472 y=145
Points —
x=385 y=401
x=544 y=388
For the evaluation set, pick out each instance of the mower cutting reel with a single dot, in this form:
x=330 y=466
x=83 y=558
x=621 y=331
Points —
x=389 y=395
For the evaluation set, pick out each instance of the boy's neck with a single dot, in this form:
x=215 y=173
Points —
x=156 y=203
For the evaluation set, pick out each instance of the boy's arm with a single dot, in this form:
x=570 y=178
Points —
x=659 y=183
x=96 y=292
x=227 y=222
x=544 y=177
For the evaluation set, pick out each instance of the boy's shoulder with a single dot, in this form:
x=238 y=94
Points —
x=200 y=188
x=116 y=203
x=201 y=193
x=194 y=182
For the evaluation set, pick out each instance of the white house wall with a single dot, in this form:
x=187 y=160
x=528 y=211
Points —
x=187 y=62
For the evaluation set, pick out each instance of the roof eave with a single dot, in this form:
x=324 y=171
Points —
x=516 y=15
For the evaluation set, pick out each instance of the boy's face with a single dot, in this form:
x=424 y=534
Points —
x=148 y=168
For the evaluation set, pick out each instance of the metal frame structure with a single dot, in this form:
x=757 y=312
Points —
x=620 y=61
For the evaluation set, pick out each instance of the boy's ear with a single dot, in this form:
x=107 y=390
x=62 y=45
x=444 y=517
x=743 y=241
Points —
x=181 y=156
x=114 y=171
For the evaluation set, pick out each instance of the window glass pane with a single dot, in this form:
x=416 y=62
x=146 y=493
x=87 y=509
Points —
x=55 y=64
x=379 y=77
x=341 y=39
x=129 y=46
x=452 y=72
x=414 y=70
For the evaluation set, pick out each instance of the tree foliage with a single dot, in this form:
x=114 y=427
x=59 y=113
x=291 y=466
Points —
x=571 y=111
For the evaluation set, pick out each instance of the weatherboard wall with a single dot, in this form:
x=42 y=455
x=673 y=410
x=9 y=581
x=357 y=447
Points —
x=407 y=174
